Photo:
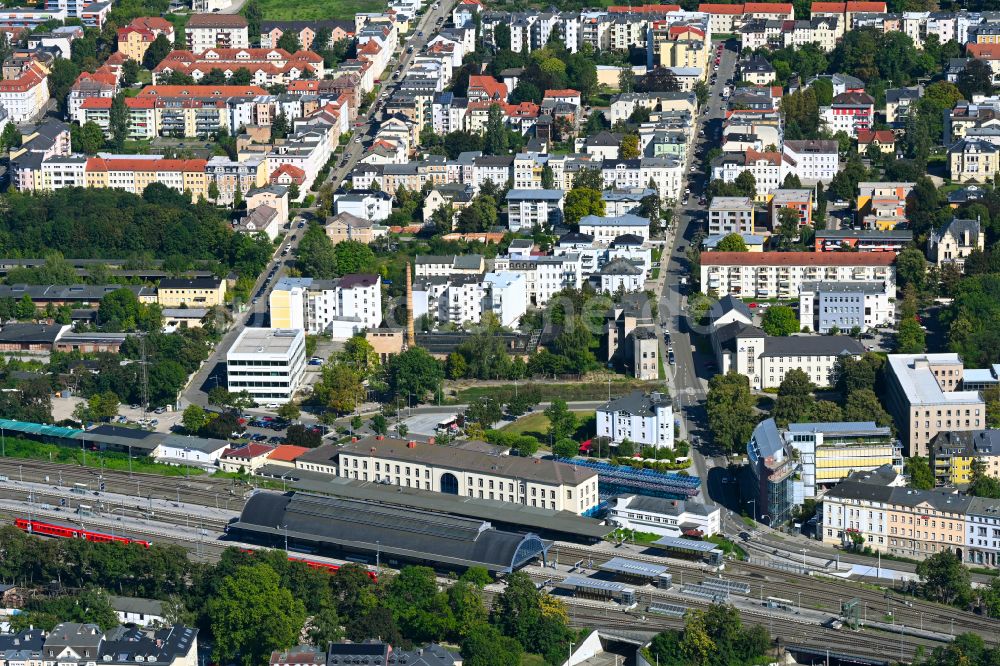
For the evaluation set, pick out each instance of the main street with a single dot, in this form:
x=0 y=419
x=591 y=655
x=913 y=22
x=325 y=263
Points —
x=212 y=373
x=689 y=389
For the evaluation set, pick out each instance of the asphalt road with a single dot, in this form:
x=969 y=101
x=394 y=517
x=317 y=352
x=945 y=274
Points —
x=689 y=387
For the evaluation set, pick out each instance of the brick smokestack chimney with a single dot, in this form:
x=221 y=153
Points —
x=411 y=336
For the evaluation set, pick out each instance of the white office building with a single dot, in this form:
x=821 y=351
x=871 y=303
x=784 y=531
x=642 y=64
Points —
x=666 y=517
x=606 y=229
x=641 y=418
x=527 y=209
x=267 y=362
x=342 y=307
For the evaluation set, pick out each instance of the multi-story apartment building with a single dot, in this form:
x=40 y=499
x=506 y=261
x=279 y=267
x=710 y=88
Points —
x=781 y=274
x=235 y=178
x=527 y=209
x=25 y=96
x=216 y=31
x=135 y=38
x=605 y=229
x=812 y=160
x=342 y=308
x=267 y=362
x=134 y=173
x=505 y=295
x=849 y=112
x=874 y=509
x=544 y=276
x=982 y=532
x=842 y=306
x=266 y=66
x=766 y=168
x=730 y=215
x=666 y=172
x=799 y=200
x=923 y=394
x=454 y=471
x=830 y=452
x=953 y=453
x=646 y=419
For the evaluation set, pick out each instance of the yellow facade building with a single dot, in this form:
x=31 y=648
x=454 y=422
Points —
x=952 y=455
x=193 y=293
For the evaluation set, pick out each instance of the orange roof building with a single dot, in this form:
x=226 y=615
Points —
x=135 y=173
x=643 y=9
x=202 y=91
x=286 y=454
x=486 y=88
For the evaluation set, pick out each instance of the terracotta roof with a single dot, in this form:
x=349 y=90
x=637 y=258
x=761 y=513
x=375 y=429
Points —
x=883 y=136
x=28 y=79
x=566 y=92
x=489 y=85
x=643 y=9
x=682 y=29
x=132 y=164
x=709 y=8
x=201 y=91
x=797 y=258
x=843 y=7
x=303 y=85
x=152 y=23
x=287 y=452
x=147 y=35
x=984 y=51
x=247 y=451
x=753 y=156
x=767 y=8
x=295 y=173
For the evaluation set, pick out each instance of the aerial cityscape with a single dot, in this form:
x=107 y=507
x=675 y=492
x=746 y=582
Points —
x=499 y=333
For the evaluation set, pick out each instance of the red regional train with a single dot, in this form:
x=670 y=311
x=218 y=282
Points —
x=322 y=566
x=61 y=531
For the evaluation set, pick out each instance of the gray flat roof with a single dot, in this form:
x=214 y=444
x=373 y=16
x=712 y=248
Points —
x=920 y=385
x=593 y=584
x=633 y=568
x=686 y=544
x=493 y=510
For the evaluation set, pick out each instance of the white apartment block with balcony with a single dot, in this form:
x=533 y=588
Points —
x=645 y=419
x=527 y=209
x=781 y=274
x=544 y=276
x=730 y=215
x=505 y=294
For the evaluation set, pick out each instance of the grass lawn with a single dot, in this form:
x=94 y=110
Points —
x=28 y=450
x=537 y=425
x=592 y=390
x=640 y=538
x=307 y=10
x=728 y=547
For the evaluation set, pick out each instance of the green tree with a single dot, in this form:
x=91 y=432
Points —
x=289 y=41
x=548 y=178
x=213 y=191
x=581 y=202
x=731 y=410
x=975 y=79
x=289 y=411
x=701 y=91
x=943 y=578
x=316 y=256
x=484 y=645
x=746 y=184
x=484 y=411
x=864 y=405
x=87 y=139
x=157 y=51
x=414 y=372
x=565 y=448
x=194 y=418
x=792 y=180
x=910 y=338
x=379 y=425
x=788 y=224
x=11 y=137
x=359 y=355
x=354 y=257
x=340 y=388
x=534 y=619
x=780 y=320
x=496 y=141
x=982 y=484
x=911 y=268
x=118 y=122
x=795 y=401
x=130 y=73
x=732 y=243
x=629 y=147
x=919 y=471
x=562 y=422
x=252 y=614
x=61 y=78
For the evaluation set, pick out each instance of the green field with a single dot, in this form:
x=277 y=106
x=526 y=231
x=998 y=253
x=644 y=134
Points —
x=592 y=390
x=306 y=10
x=29 y=450
x=536 y=424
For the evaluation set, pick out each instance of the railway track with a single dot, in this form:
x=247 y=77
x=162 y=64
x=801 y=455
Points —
x=204 y=490
x=820 y=594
